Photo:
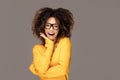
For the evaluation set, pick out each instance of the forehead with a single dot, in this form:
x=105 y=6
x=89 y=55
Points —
x=52 y=20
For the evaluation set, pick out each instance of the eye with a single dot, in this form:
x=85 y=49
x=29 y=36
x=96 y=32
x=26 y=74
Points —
x=56 y=26
x=47 y=25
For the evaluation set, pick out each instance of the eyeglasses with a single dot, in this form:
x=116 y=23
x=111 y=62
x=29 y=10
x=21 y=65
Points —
x=54 y=26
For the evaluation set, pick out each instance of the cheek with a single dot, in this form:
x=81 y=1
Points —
x=57 y=32
x=46 y=31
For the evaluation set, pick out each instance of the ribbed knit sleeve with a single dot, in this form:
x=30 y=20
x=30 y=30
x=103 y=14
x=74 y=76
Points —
x=41 y=58
x=62 y=68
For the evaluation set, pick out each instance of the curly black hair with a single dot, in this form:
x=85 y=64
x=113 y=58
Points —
x=64 y=17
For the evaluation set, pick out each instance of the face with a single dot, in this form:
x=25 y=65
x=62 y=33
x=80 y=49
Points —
x=51 y=28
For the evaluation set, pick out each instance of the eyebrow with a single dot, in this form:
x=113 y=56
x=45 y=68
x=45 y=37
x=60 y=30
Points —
x=52 y=23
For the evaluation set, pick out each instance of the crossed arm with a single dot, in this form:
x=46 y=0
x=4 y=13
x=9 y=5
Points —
x=41 y=59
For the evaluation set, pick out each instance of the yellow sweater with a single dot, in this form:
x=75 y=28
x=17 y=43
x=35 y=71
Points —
x=49 y=64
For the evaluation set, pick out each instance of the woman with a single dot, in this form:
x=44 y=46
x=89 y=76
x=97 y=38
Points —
x=51 y=58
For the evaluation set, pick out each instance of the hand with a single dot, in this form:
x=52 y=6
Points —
x=48 y=42
x=43 y=35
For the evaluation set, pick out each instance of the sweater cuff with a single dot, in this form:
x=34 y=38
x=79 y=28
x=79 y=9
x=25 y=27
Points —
x=49 y=43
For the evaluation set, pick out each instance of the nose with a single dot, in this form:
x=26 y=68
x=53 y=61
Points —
x=51 y=28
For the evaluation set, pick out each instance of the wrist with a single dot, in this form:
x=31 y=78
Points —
x=49 y=43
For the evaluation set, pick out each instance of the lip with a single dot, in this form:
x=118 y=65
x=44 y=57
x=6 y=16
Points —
x=51 y=34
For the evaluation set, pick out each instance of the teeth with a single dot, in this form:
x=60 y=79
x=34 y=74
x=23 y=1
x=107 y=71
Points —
x=51 y=33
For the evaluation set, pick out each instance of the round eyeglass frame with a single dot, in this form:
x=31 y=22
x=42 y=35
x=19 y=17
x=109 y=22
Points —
x=49 y=25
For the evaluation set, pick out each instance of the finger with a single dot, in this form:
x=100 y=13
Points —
x=42 y=35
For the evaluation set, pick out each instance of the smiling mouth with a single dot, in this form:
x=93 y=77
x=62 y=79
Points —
x=51 y=34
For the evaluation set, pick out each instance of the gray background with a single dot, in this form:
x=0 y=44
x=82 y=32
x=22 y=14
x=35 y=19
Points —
x=95 y=38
